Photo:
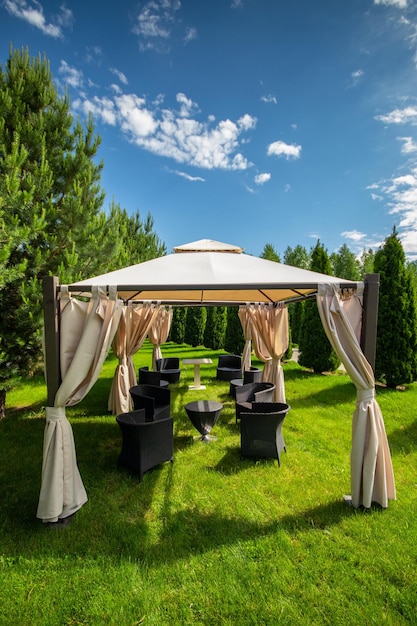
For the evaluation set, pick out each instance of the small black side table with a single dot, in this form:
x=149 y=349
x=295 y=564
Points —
x=203 y=415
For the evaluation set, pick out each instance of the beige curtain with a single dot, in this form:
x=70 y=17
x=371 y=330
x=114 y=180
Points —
x=270 y=340
x=135 y=323
x=86 y=332
x=245 y=320
x=159 y=331
x=372 y=476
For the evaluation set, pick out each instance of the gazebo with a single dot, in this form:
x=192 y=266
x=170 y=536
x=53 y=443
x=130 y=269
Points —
x=79 y=332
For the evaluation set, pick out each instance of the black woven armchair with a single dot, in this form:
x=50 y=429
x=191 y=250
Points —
x=155 y=400
x=150 y=377
x=229 y=366
x=261 y=430
x=252 y=375
x=144 y=444
x=169 y=368
x=252 y=392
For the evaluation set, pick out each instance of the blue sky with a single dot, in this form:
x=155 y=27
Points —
x=244 y=121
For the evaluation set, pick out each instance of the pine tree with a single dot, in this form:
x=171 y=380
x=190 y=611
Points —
x=234 y=341
x=270 y=253
x=134 y=239
x=195 y=325
x=366 y=262
x=177 y=331
x=215 y=329
x=51 y=202
x=316 y=351
x=344 y=264
x=396 y=347
x=297 y=257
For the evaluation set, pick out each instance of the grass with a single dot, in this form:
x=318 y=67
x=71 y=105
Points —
x=212 y=538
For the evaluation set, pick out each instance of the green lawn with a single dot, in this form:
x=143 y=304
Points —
x=212 y=538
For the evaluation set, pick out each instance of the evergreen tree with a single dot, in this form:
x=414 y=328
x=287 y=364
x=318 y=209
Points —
x=214 y=333
x=234 y=341
x=367 y=260
x=195 y=325
x=297 y=257
x=270 y=253
x=396 y=346
x=316 y=351
x=344 y=264
x=177 y=330
x=51 y=201
x=134 y=238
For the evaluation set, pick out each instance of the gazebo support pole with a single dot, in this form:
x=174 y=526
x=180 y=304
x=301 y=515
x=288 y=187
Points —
x=370 y=317
x=51 y=322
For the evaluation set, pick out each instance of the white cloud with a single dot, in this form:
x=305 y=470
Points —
x=173 y=134
x=400 y=195
x=247 y=122
x=399 y=116
x=280 y=148
x=155 y=19
x=122 y=77
x=353 y=235
x=32 y=12
x=116 y=88
x=100 y=108
x=409 y=145
x=190 y=34
x=261 y=179
x=135 y=120
x=71 y=75
x=188 y=107
x=401 y=4
x=157 y=25
x=188 y=177
x=356 y=77
x=269 y=99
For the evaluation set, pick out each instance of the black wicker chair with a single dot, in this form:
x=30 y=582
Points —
x=169 y=368
x=252 y=392
x=261 y=430
x=252 y=375
x=155 y=400
x=144 y=444
x=229 y=366
x=150 y=377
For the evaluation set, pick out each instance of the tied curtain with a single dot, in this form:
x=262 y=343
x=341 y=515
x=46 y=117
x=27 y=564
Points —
x=372 y=476
x=159 y=331
x=135 y=323
x=269 y=324
x=245 y=320
x=87 y=330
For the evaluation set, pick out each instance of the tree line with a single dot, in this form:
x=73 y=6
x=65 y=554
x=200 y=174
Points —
x=396 y=350
x=53 y=221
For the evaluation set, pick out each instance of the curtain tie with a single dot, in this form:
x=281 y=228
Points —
x=365 y=395
x=55 y=413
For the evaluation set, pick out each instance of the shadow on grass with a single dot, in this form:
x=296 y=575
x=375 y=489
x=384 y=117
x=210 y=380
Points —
x=119 y=520
x=404 y=440
x=231 y=462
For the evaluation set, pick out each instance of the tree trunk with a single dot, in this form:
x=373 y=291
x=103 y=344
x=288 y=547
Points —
x=2 y=403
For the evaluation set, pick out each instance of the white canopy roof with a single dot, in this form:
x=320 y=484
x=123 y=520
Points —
x=211 y=272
